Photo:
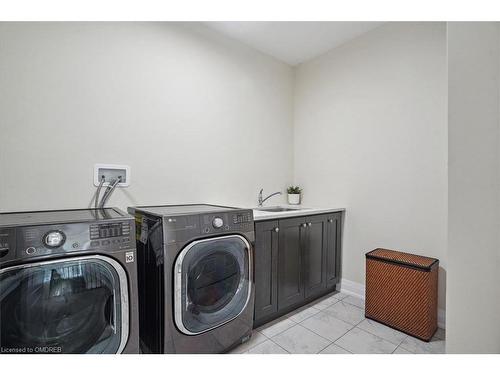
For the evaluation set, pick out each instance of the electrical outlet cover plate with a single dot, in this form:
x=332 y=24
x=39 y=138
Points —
x=110 y=173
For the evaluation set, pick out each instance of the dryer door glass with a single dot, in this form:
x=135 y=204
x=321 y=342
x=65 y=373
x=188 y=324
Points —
x=77 y=305
x=212 y=283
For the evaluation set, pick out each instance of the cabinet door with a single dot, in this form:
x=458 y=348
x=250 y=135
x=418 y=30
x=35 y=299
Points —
x=266 y=269
x=315 y=255
x=334 y=226
x=290 y=279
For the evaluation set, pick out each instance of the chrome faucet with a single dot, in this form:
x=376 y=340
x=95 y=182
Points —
x=262 y=200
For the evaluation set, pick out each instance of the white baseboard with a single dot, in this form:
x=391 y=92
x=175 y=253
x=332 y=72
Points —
x=442 y=318
x=352 y=288
x=358 y=290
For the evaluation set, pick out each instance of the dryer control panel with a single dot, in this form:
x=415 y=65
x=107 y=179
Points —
x=236 y=221
x=180 y=228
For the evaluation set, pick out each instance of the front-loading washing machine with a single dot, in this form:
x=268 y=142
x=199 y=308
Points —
x=68 y=282
x=195 y=277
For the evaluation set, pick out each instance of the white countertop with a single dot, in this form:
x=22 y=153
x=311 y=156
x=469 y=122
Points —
x=301 y=211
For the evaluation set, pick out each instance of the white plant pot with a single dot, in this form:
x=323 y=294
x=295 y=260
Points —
x=293 y=198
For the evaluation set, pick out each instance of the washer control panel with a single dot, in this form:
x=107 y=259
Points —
x=107 y=230
x=61 y=238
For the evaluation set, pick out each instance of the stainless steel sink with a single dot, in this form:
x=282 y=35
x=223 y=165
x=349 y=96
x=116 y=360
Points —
x=276 y=209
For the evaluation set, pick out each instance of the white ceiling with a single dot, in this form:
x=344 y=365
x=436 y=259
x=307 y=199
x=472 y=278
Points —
x=293 y=42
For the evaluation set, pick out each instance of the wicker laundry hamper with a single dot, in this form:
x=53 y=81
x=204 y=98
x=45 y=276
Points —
x=402 y=291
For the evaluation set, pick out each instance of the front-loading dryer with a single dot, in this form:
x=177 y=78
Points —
x=195 y=277
x=68 y=282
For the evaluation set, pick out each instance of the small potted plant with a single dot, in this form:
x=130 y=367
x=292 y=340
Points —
x=294 y=194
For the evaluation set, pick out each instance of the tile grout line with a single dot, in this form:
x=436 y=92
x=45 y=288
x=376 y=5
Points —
x=319 y=335
x=298 y=324
x=364 y=330
x=356 y=326
x=268 y=339
x=281 y=346
x=308 y=316
x=361 y=308
x=285 y=318
x=395 y=349
x=337 y=301
x=253 y=346
x=335 y=342
x=330 y=342
x=271 y=338
x=343 y=319
x=326 y=338
x=348 y=351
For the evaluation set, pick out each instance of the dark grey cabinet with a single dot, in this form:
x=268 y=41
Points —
x=266 y=268
x=290 y=260
x=315 y=255
x=296 y=260
x=333 y=254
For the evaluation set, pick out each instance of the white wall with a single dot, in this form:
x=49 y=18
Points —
x=473 y=297
x=371 y=135
x=198 y=117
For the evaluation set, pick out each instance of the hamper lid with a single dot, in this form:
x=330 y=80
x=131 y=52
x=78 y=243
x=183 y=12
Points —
x=400 y=257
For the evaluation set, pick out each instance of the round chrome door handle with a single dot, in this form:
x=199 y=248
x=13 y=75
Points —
x=309 y=224
x=330 y=220
x=304 y=225
x=276 y=230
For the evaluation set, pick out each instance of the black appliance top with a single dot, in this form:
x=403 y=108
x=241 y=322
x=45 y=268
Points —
x=13 y=219
x=186 y=209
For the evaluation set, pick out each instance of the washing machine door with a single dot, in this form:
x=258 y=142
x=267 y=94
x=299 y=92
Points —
x=71 y=305
x=212 y=282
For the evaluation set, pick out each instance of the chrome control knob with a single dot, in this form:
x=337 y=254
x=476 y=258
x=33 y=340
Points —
x=217 y=223
x=54 y=239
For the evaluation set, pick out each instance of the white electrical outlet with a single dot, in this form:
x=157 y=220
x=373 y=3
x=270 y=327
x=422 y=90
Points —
x=111 y=172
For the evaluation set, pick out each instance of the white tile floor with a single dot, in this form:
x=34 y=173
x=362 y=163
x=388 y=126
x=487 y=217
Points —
x=335 y=324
